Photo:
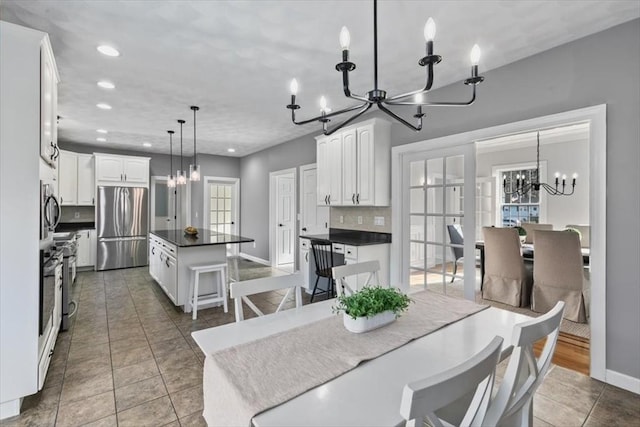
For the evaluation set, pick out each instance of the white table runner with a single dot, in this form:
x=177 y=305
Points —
x=242 y=381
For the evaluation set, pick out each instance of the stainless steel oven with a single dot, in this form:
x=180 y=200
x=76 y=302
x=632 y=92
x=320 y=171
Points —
x=49 y=262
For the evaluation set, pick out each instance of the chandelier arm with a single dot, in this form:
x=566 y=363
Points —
x=391 y=101
x=326 y=116
x=363 y=110
x=400 y=119
x=347 y=91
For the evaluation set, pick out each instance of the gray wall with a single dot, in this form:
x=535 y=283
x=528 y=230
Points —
x=254 y=188
x=599 y=69
x=221 y=166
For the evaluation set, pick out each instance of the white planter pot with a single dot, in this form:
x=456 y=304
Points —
x=364 y=324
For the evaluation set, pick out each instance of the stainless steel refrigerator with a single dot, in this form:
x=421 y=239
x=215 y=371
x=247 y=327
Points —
x=122 y=227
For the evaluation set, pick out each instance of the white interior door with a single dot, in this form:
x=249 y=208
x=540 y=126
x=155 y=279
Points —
x=285 y=217
x=434 y=189
x=221 y=207
x=314 y=219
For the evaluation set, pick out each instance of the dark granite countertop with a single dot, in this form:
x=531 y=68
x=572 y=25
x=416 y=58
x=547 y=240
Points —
x=74 y=226
x=205 y=237
x=352 y=237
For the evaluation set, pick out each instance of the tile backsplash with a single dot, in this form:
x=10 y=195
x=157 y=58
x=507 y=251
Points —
x=78 y=214
x=348 y=218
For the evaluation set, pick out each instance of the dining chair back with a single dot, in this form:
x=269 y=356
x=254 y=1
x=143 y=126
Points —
x=558 y=274
x=585 y=234
x=341 y=273
x=456 y=238
x=506 y=279
x=422 y=399
x=513 y=403
x=532 y=227
x=240 y=291
x=323 y=257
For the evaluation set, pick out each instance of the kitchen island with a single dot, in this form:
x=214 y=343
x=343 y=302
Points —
x=171 y=252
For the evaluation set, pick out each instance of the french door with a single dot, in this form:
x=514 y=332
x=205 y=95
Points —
x=221 y=207
x=434 y=209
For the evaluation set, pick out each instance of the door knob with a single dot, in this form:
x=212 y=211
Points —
x=304 y=228
x=280 y=225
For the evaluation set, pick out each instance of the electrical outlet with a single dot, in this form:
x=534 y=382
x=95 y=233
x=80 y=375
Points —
x=378 y=220
x=76 y=215
x=359 y=219
x=341 y=219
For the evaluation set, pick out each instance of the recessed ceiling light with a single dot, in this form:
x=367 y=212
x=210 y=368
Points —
x=231 y=150
x=101 y=139
x=108 y=50
x=106 y=85
x=102 y=131
x=104 y=106
x=146 y=144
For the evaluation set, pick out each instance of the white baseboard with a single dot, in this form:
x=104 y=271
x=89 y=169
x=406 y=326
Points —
x=623 y=381
x=255 y=259
x=10 y=408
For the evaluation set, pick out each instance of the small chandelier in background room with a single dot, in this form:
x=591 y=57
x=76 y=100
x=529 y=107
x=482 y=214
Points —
x=194 y=169
x=181 y=179
x=523 y=187
x=171 y=181
x=378 y=96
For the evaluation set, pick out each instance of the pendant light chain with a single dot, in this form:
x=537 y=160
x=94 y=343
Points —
x=194 y=169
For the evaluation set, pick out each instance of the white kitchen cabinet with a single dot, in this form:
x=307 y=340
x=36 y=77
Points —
x=76 y=179
x=121 y=170
x=68 y=178
x=163 y=266
x=86 y=248
x=86 y=180
x=354 y=165
x=305 y=247
x=48 y=105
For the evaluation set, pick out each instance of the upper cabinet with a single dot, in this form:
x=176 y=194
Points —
x=122 y=170
x=48 y=105
x=354 y=165
x=76 y=179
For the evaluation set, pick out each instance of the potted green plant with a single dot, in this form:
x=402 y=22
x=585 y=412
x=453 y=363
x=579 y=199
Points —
x=371 y=308
x=522 y=233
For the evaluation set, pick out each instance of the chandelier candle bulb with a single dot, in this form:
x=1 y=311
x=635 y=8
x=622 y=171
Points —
x=345 y=39
x=323 y=105
x=429 y=30
x=294 y=87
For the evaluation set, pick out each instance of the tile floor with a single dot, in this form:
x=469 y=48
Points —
x=129 y=360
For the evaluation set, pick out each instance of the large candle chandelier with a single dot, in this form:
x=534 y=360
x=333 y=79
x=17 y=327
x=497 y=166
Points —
x=378 y=96
x=522 y=186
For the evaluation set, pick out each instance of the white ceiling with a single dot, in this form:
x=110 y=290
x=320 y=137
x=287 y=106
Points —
x=235 y=59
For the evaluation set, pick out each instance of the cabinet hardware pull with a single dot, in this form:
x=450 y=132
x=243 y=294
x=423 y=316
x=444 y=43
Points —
x=120 y=177
x=306 y=256
x=329 y=198
x=167 y=262
x=304 y=228
x=358 y=198
x=153 y=251
x=93 y=200
x=353 y=198
x=125 y=176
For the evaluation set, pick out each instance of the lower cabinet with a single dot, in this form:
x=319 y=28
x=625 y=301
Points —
x=86 y=256
x=163 y=267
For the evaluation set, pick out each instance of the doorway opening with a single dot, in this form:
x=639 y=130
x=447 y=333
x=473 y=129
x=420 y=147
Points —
x=221 y=207
x=170 y=207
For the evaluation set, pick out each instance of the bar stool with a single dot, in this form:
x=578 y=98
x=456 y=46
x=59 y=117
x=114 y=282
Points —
x=220 y=272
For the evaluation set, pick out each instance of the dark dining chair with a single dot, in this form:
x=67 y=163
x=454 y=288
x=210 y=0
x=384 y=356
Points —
x=456 y=238
x=323 y=256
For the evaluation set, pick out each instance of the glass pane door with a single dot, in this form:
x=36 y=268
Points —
x=220 y=209
x=434 y=185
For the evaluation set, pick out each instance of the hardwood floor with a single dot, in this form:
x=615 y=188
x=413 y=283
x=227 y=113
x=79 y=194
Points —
x=572 y=352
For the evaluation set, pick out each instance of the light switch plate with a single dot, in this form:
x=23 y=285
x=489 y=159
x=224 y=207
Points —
x=378 y=220
x=341 y=219
x=359 y=219
x=76 y=215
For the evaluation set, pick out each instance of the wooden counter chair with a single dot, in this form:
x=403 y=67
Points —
x=323 y=256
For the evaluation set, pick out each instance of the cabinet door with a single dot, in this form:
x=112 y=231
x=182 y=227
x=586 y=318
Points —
x=153 y=259
x=322 y=162
x=109 y=169
x=365 y=168
x=93 y=245
x=86 y=180
x=84 y=249
x=335 y=168
x=68 y=178
x=170 y=276
x=136 y=171
x=349 y=167
x=47 y=98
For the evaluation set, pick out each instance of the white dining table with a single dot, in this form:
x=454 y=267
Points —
x=370 y=394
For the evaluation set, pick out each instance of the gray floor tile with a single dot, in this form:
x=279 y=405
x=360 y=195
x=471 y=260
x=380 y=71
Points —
x=187 y=401
x=154 y=413
x=134 y=373
x=554 y=413
x=140 y=392
x=193 y=420
x=130 y=357
x=82 y=386
x=90 y=409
